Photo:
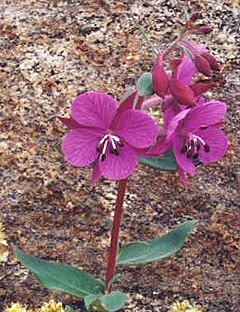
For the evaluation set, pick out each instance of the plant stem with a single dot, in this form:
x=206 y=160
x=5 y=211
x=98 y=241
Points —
x=118 y=212
x=173 y=45
x=144 y=35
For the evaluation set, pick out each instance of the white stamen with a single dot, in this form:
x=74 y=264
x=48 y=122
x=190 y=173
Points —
x=113 y=143
x=104 y=147
x=103 y=139
x=115 y=138
x=199 y=139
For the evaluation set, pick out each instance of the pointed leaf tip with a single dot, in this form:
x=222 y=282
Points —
x=164 y=163
x=60 y=277
x=141 y=252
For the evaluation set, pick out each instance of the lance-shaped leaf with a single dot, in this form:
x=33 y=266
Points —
x=160 y=80
x=164 y=163
x=182 y=92
x=144 y=84
x=60 y=277
x=141 y=252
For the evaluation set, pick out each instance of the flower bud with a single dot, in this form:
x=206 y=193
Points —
x=182 y=92
x=195 y=16
x=202 y=65
x=160 y=80
x=203 y=30
x=199 y=88
x=211 y=60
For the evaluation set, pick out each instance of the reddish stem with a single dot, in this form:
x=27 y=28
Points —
x=172 y=47
x=118 y=212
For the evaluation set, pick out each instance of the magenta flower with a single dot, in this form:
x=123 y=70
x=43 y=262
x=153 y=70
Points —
x=195 y=133
x=106 y=136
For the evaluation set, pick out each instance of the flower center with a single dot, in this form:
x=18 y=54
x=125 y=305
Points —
x=111 y=141
x=192 y=146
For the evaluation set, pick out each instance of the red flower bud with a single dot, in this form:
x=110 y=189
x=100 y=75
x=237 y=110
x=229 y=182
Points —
x=211 y=60
x=202 y=65
x=199 y=88
x=195 y=16
x=182 y=92
x=160 y=80
x=203 y=30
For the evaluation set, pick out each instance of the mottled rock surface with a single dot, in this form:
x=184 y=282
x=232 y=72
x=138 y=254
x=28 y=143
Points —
x=51 y=50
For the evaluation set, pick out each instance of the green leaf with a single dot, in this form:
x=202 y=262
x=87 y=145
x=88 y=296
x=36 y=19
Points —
x=113 y=301
x=110 y=302
x=164 y=163
x=89 y=300
x=60 y=277
x=157 y=248
x=144 y=84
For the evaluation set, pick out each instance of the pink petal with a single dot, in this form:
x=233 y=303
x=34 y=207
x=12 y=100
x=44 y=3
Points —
x=79 y=146
x=183 y=162
x=94 y=109
x=174 y=122
x=160 y=80
x=186 y=70
x=201 y=100
x=121 y=166
x=202 y=65
x=217 y=142
x=182 y=92
x=158 y=148
x=168 y=115
x=136 y=128
x=155 y=100
x=69 y=122
x=206 y=114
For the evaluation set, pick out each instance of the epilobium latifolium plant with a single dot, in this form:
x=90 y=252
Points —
x=113 y=137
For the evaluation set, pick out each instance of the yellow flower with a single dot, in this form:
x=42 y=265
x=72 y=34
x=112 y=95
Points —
x=183 y=306
x=51 y=306
x=16 y=307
